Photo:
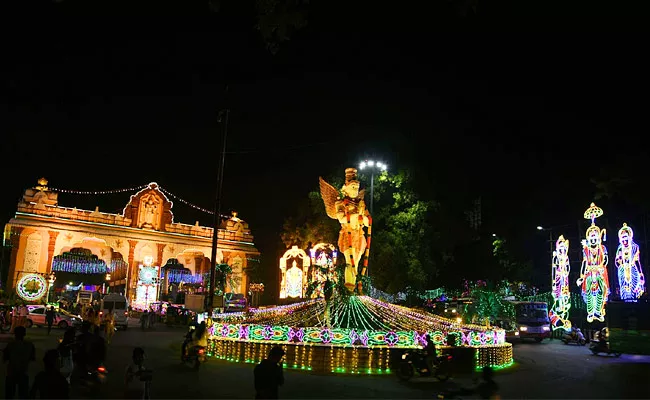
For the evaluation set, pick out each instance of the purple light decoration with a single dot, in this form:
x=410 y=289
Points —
x=420 y=337
x=300 y=335
x=354 y=336
x=267 y=332
x=466 y=337
x=224 y=330
x=363 y=337
x=326 y=335
x=291 y=334
x=391 y=338
x=243 y=332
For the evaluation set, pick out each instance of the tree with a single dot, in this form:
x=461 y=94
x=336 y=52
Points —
x=310 y=224
x=401 y=255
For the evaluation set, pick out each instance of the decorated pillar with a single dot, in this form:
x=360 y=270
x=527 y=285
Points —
x=132 y=267
x=161 y=247
x=50 y=249
x=16 y=231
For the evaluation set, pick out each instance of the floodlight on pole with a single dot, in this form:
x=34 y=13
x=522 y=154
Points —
x=373 y=167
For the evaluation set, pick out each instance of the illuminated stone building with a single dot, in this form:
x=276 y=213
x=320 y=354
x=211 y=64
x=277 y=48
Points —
x=42 y=231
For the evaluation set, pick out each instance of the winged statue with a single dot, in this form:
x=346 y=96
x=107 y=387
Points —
x=347 y=206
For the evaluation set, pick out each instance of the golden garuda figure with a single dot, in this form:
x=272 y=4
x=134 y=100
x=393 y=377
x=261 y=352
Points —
x=347 y=206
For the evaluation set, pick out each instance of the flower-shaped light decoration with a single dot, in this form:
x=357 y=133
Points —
x=326 y=335
x=225 y=330
x=300 y=334
x=391 y=338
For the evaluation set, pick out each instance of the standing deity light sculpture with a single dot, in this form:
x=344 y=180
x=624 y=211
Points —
x=593 y=279
x=348 y=207
x=631 y=281
x=559 y=312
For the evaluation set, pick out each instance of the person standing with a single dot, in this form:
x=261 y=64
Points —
x=17 y=355
x=50 y=318
x=23 y=315
x=268 y=375
x=14 y=319
x=50 y=383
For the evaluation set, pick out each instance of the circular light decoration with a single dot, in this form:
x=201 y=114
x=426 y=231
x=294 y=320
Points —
x=31 y=287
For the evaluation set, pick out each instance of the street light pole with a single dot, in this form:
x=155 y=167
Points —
x=223 y=117
x=373 y=166
x=372 y=192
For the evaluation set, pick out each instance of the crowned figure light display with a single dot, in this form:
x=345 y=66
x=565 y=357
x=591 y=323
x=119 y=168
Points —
x=323 y=268
x=559 y=312
x=347 y=206
x=631 y=281
x=593 y=274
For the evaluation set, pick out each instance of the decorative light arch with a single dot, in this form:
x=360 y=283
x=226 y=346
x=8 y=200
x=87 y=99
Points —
x=292 y=278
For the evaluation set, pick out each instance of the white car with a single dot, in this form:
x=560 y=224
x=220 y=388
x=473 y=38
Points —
x=63 y=320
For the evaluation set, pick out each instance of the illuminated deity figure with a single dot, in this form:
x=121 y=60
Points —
x=631 y=281
x=348 y=207
x=593 y=275
x=559 y=313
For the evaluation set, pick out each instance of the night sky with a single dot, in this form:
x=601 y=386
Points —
x=522 y=111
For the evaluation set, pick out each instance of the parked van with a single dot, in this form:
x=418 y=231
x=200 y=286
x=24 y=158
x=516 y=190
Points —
x=119 y=306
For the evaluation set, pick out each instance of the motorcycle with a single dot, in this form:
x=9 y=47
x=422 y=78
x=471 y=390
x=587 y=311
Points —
x=574 y=336
x=412 y=362
x=192 y=355
x=600 y=344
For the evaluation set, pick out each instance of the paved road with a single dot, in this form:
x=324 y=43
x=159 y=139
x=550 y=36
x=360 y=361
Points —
x=546 y=370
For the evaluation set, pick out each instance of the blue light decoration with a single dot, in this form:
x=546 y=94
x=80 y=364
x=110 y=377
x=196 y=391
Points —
x=594 y=281
x=559 y=312
x=79 y=260
x=185 y=276
x=631 y=281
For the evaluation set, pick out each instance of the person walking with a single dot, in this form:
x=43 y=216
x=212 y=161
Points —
x=17 y=354
x=137 y=382
x=109 y=326
x=50 y=383
x=268 y=375
x=50 y=318
x=144 y=319
x=65 y=349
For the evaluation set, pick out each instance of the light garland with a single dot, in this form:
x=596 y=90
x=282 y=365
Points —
x=81 y=261
x=593 y=280
x=98 y=192
x=27 y=280
x=187 y=203
x=559 y=312
x=631 y=281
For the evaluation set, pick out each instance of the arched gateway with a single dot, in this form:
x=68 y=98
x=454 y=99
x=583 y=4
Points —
x=46 y=238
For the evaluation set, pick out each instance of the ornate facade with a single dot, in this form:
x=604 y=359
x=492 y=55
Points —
x=42 y=230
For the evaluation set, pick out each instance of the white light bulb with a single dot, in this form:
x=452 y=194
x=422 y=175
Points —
x=371 y=163
x=362 y=166
x=384 y=167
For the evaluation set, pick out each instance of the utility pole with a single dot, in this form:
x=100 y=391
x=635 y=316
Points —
x=223 y=119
